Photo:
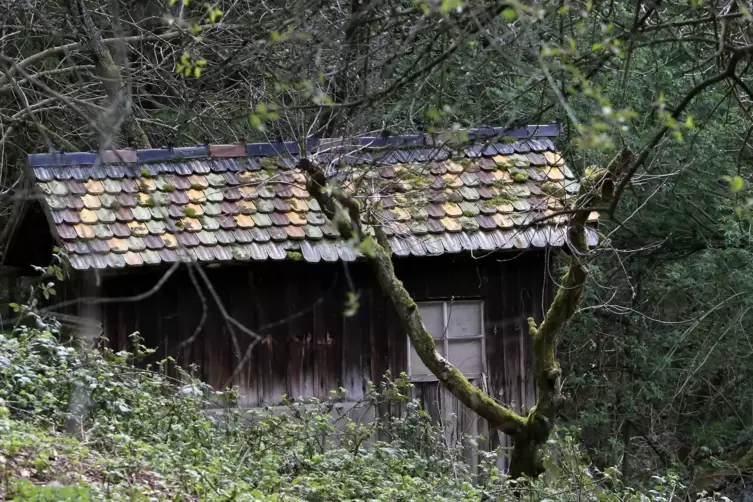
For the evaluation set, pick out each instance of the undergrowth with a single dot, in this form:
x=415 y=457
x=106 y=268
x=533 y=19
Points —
x=81 y=424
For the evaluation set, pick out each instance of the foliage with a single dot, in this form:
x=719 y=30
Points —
x=141 y=435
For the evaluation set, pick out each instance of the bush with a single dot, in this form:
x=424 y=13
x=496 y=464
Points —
x=83 y=424
x=94 y=417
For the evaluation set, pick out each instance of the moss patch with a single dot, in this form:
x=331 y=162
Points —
x=556 y=190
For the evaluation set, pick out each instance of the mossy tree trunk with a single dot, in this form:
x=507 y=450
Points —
x=529 y=432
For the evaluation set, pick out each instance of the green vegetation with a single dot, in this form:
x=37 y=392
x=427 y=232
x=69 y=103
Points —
x=80 y=425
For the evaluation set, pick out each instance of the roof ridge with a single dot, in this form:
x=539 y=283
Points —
x=430 y=140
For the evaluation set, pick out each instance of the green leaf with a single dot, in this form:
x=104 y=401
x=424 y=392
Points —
x=352 y=304
x=450 y=5
x=737 y=183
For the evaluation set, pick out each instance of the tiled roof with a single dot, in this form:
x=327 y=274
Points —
x=240 y=202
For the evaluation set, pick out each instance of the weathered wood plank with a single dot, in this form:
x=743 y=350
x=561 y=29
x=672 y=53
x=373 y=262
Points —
x=309 y=347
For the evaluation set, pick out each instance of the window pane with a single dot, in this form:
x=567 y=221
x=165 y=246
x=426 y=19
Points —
x=431 y=313
x=417 y=366
x=466 y=355
x=464 y=319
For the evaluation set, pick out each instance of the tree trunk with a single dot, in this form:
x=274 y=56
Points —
x=529 y=432
x=597 y=189
x=119 y=113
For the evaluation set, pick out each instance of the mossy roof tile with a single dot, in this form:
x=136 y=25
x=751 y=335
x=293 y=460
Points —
x=429 y=201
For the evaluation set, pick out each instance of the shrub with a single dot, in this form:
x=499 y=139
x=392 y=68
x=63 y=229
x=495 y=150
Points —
x=89 y=424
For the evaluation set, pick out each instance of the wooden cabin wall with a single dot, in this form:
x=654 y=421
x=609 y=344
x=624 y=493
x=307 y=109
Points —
x=513 y=289
x=308 y=345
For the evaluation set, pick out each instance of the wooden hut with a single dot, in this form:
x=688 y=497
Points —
x=218 y=257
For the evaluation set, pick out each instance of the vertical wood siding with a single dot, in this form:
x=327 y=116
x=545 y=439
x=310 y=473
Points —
x=308 y=346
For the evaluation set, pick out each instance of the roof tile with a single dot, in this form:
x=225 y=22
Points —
x=230 y=208
x=80 y=262
x=60 y=203
x=198 y=182
x=153 y=242
x=123 y=214
x=85 y=215
x=327 y=250
x=469 y=193
x=451 y=224
x=99 y=246
x=469 y=209
x=260 y=234
x=451 y=243
x=136 y=244
x=168 y=240
x=227 y=193
x=312 y=232
x=102 y=231
x=262 y=206
x=554 y=158
x=452 y=209
x=277 y=233
x=126 y=200
x=115 y=260
x=75 y=188
x=244 y=221
x=191 y=224
x=280 y=219
x=212 y=208
x=176 y=211
x=70 y=216
x=207 y=238
x=141 y=213
x=257 y=252
x=179 y=198
x=120 y=230
x=261 y=220
x=188 y=239
x=295 y=232
x=222 y=253
x=117 y=245
x=150 y=257
x=97 y=261
x=58 y=188
x=503 y=220
x=196 y=196
x=521 y=205
x=555 y=174
x=168 y=255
